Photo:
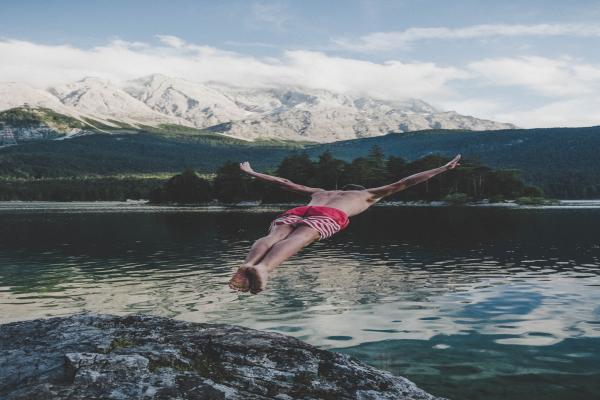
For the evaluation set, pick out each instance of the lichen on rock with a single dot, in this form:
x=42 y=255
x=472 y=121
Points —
x=148 y=357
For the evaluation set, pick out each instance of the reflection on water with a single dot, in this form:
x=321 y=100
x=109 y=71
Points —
x=467 y=302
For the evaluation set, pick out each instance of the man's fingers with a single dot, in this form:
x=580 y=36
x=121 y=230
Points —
x=454 y=162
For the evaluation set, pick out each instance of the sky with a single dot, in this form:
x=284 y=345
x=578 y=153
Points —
x=532 y=63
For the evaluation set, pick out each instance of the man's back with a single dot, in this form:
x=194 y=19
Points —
x=351 y=202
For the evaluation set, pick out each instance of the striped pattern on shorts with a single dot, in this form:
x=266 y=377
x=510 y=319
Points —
x=326 y=226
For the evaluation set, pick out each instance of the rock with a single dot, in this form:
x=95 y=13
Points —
x=147 y=357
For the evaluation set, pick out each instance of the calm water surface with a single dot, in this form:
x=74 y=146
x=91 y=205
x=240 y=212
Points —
x=469 y=303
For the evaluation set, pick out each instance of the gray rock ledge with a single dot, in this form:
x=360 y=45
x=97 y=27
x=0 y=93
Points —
x=147 y=357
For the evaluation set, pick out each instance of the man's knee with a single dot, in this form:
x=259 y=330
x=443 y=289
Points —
x=314 y=236
x=307 y=234
x=275 y=237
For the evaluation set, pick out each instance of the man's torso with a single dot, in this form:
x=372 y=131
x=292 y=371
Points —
x=351 y=202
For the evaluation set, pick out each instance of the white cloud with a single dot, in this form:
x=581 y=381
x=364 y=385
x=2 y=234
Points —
x=383 y=41
x=389 y=80
x=43 y=65
x=564 y=77
x=566 y=90
x=172 y=41
x=563 y=113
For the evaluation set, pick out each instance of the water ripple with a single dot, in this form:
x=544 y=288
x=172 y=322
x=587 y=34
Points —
x=439 y=276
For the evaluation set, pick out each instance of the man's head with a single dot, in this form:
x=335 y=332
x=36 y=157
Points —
x=352 y=186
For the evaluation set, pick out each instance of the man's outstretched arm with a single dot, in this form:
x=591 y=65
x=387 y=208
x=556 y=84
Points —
x=281 y=182
x=383 y=191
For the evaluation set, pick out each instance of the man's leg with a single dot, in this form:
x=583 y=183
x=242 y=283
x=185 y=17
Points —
x=239 y=281
x=299 y=238
x=262 y=245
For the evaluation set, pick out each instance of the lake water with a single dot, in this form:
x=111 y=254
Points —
x=468 y=302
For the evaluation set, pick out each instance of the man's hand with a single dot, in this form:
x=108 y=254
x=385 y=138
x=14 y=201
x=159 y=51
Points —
x=245 y=166
x=453 y=163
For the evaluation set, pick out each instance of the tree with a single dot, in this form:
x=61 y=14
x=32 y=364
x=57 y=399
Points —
x=505 y=182
x=395 y=168
x=186 y=187
x=377 y=159
x=298 y=168
x=233 y=186
x=369 y=171
x=329 y=171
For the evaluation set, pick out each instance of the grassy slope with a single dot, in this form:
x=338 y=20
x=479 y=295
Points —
x=27 y=116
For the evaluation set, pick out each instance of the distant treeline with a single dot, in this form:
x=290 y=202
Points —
x=563 y=162
x=471 y=181
x=79 y=189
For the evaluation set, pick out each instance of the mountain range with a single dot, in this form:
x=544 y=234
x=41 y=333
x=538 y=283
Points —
x=158 y=102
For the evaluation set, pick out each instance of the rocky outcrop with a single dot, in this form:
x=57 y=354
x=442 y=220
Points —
x=148 y=357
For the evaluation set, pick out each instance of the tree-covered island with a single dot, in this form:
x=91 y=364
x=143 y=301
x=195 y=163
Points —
x=468 y=183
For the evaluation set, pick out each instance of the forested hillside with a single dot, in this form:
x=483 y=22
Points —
x=563 y=162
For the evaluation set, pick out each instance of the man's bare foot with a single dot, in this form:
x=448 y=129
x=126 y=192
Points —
x=240 y=280
x=258 y=276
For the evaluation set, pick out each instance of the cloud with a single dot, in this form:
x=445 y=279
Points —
x=43 y=65
x=563 y=113
x=236 y=43
x=384 y=41
x=565 y=91
x=564 y=77
x=270 y=15
x=388 y=80
x=172 y=41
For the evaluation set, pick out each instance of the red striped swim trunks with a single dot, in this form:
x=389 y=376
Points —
x=325 y=220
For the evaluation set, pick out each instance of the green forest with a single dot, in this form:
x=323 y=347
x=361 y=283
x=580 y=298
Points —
x=471 y=181
x=79 y=188
x=563 y=162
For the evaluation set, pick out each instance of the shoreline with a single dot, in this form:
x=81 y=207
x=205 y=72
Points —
x=214 y=206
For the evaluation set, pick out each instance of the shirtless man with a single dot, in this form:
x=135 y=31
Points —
x=326 y=214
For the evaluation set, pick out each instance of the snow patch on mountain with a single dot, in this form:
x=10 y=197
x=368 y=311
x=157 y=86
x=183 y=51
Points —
x=14 y=94
x=103 y=101
x=195 y=103
x=291 y=113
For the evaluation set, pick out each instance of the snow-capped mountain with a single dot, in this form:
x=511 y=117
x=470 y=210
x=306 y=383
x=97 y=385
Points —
x=100 y=100
x=290 y=113
x=194 y=103
x=14 y=94
x=323 y=116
